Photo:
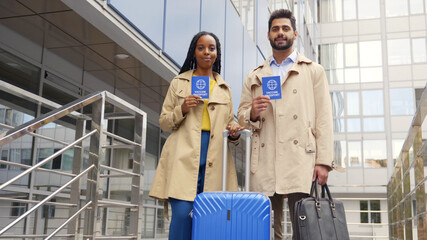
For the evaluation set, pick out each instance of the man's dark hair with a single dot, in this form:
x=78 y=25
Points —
x=282 y=13
x=190 y=61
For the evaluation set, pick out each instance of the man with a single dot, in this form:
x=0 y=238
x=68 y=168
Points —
x=292 y=140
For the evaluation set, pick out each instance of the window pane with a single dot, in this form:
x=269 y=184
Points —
x=375 y=153
x=339 y=125
x=353 y=125
x=332 y=56
x=372 y=102
x=340 y=153
x=394 y=8
x=351 y=56
x=373 y=124
x=337 y=104
x=335 y=76
x=351 y=75
x=369 y=9
x=416 y=6
x=352 y=103
x=370 y=54
x=330 y=10
x=397 y=145
x=402 y=101
x=372 y=74
x=349 y=9
x=398 y=51
x=375 y=216
x=419 y=50
x=354 y=154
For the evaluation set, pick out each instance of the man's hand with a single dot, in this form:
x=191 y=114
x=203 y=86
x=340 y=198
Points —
x=233 y=130
x=259 y=104
x=190 y=102
x=321 y=172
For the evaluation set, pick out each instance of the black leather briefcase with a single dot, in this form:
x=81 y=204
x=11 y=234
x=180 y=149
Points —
x=320 y=218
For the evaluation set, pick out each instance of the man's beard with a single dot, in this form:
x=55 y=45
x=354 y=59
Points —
x=288 y=44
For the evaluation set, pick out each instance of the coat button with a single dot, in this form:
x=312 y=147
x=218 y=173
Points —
x=262 y=144
x=263 y=119
x=210 y=164
x=295 y=116
x=294 y=91
x=212 y=136
x=213 y=108
x=295 y=142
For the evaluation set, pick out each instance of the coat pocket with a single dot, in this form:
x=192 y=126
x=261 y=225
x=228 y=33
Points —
x=310 y=146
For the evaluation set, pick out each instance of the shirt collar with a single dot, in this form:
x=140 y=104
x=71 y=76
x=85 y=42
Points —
x=292 y=57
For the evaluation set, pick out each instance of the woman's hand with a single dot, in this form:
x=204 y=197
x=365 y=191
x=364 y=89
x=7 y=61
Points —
x=232 y=130
x=190 y=102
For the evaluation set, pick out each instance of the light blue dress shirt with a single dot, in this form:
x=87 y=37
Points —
x=283 y=68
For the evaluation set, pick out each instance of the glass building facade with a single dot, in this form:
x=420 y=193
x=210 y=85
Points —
x=373 y=52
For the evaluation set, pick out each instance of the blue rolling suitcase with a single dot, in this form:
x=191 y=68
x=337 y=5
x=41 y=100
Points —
x=232 y=215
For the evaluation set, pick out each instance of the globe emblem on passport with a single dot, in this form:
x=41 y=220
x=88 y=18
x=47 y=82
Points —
x=200 y=84
x=271 y=84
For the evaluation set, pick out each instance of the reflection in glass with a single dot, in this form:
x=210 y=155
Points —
x=330 y=10
x=349 y=9
x=399 y=51
x=340 y=153
x=373 y=124
x=416 y=6
x=395 y=8
x=370 y=54
x=351 y=75
x=371 y=74
x=375 y=153
x=332 y=56
x=337 y=103
x=402 y=101
x=354 y=154
x=419 y=50
x=352 y=106
x=339 y=125
x=351 y=56
x=368 y=9
x=353 y=125
x=335 y=76
x=372 y=102
x=397 y=145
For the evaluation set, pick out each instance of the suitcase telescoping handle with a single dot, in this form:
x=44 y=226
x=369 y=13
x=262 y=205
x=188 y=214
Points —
x=247 y=135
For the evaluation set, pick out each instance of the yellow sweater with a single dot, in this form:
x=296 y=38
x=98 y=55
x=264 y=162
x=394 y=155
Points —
x=206 y=121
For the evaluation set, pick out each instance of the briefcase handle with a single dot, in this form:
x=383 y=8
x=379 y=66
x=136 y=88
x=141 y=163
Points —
x=314 y=189
x=247 y=134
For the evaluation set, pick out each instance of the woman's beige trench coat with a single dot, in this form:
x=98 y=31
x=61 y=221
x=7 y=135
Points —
x=294 y=133
x=178 y=168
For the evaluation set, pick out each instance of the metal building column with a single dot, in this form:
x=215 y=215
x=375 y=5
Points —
x=137 y=181
x=420 y=194
x=75 y=187
x=92 y=218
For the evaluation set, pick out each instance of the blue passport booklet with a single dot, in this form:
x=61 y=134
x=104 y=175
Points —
x=271 y=87
x=200 y=86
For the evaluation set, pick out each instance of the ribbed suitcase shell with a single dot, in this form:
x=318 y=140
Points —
x=231 y=216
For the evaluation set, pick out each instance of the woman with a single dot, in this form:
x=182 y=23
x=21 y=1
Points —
x=191 y=159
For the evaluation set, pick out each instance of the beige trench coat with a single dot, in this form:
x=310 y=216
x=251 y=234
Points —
x=294 y=133
x=178 y=168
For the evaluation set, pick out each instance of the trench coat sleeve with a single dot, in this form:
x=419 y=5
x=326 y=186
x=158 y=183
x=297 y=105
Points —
x=231 y=120
x=171 y=115
x=323 y=130
x=245 y=107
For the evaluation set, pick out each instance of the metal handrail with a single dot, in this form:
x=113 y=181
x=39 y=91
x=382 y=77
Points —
x=40 y=169
x=44 y=200
x=36 y=135
x=56 y=114
x=46 y=160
